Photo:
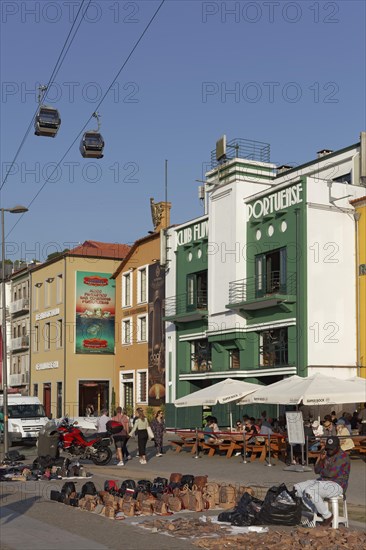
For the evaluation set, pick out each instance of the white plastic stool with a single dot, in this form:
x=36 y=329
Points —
x=337 y=519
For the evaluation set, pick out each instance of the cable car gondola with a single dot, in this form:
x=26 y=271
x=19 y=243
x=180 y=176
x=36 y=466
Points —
x=92 y=143
x=47 y=121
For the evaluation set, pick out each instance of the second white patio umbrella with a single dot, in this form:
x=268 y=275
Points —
x=222 y=392
x=317 y=389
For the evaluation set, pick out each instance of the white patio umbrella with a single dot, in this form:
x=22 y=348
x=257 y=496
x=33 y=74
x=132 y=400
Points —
x=222 y=392
x=317 y=389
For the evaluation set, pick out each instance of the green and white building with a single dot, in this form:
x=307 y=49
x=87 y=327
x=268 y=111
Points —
x=263 y=286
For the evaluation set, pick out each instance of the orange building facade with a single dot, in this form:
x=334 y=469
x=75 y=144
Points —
x=140 y=329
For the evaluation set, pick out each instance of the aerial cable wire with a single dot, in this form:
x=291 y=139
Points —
x=89 y=119
x=56 y=69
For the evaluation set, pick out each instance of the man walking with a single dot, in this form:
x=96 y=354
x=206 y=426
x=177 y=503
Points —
x=333 y=467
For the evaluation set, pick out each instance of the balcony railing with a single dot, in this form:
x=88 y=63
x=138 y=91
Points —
x=246 y=290
x=20 y=343
x=19 y=305
x=182 y=304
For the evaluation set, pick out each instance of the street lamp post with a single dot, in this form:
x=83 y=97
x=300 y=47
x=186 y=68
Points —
x=15 y=210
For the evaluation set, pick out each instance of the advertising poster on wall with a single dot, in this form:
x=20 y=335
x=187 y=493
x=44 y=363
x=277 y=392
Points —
x=156 y=342
x=95 y=313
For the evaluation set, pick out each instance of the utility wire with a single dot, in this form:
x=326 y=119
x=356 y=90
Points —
x=89 y=119
x=56 y=69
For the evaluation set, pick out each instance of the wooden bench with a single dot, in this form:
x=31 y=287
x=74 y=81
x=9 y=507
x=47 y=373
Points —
x=186 y=439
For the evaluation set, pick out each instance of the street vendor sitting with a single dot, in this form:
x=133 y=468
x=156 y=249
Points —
x=333 y=467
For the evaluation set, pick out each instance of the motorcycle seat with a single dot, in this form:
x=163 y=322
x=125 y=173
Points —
x=90 y=437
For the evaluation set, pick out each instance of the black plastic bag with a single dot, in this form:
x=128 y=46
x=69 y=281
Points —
x=245 y=513
x=227 y=516
x=280 y=507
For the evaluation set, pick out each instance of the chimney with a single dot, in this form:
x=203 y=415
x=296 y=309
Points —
x=283 y=168
x=323 y=153
x=160 y=213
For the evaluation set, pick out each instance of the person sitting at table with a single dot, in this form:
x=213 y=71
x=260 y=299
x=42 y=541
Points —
x=251 y=431
x=329 y=428
x=318 y=431
x=346 y=443
x=264 y=429
x=238 y=426
x=209 y=430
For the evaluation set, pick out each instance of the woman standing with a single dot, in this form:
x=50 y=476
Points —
x=123 y=419
x=120 y=438
x=140 y=426
x=158 y=428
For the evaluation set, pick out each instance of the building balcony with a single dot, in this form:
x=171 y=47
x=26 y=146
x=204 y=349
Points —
x=19 y=306
x=185 y=308
x=18 y=379
x=20 y=343
x=248 y=295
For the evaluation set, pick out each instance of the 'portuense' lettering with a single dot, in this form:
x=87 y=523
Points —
x=277 y=201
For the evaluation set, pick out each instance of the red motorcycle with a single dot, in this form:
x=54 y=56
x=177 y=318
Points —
x=91 y=447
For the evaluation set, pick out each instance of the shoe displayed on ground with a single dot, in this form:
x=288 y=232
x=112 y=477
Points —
x=159 y=454
x=121 y=463
x=327 y=521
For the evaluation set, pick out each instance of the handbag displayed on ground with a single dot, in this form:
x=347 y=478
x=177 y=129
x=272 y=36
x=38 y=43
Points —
x=227 y=496
x=280 y=507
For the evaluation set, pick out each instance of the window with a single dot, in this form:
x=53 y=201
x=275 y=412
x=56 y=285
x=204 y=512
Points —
x=142 y=328
x=234 y=359
x=127 y=332
x=47 y=293
x=201 y=356
x=197 y=290
x=36 y=338
x=59 y=333
x=142 y=386
x=59 y=288
x=270 y=273
x=273 y=348
x=35 y=390
x=47 y=336
x=36 y=297
x=59 y=400
x=142 y=285
x=127 y=289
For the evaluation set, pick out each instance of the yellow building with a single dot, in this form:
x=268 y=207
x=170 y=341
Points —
x=72 y=328
x=140 y=293
x=360 y=216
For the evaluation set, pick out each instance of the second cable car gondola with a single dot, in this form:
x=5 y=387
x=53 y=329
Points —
x=48 y=121
x=92 y=143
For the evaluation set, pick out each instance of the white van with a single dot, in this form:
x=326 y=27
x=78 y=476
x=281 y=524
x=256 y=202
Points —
x=26 y=416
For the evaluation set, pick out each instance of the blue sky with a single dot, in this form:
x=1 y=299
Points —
x=296 y=71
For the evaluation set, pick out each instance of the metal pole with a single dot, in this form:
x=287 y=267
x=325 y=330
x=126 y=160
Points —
x=269 y=451
x=244 y=449
x=5 y=366
x=307 y=450
x=197 y=455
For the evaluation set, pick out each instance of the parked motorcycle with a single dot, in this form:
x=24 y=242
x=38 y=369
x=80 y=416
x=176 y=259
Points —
x=91 y=447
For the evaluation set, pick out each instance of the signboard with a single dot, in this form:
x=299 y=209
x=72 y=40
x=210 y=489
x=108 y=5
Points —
x=195 y=232
x=156 y=347
x=275 y=202
x=295 y=428
x=95 y=313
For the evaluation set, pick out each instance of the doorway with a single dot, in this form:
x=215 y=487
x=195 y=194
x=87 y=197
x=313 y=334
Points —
x=47 y=398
